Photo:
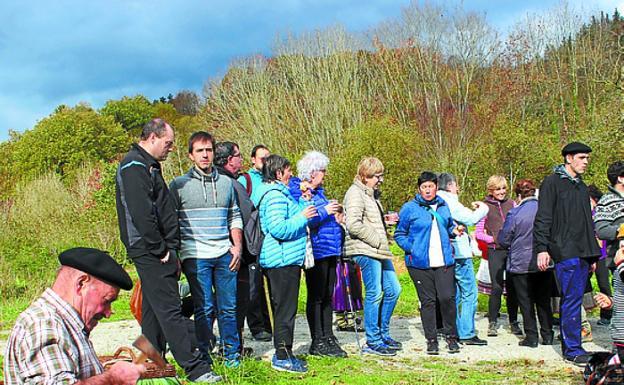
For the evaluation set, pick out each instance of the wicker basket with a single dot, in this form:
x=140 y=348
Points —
x=126 y=354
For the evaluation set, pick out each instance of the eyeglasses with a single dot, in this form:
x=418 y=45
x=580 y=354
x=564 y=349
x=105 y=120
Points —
x=236 y=155
x=378 y=176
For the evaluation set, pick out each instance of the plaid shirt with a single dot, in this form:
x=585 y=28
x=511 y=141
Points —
x=49 y=345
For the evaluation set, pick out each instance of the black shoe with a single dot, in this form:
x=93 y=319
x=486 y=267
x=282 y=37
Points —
x=548 y=340
x=515 y=329
x=453 y=346
x=319 y=347
x=263 y=336
x=580 y=360
x=528 y=343
x=333 y=348
x=432 y=347
x=473 y=341
x=604 y=322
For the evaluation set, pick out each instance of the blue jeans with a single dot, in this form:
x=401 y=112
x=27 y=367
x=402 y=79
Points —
x=382 y=293
x=212 y=279
x=465 y=298
x=572 y=277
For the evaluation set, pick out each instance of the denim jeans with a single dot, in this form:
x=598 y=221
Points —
x=213 y=288
x=382 y=293
x=465 y=298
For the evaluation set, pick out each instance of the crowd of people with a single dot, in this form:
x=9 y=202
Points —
x=541 y=244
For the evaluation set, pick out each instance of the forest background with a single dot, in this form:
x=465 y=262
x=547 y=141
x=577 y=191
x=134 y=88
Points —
x=437 y=89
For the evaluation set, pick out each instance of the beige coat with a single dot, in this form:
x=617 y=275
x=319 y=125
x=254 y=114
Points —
x=366 y=234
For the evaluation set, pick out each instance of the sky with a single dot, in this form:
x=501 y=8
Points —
x=67 y=52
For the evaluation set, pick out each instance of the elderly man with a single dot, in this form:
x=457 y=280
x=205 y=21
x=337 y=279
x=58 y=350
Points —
x=563 y=233
x=148 y=226
x=466 y=295
x=49 y=343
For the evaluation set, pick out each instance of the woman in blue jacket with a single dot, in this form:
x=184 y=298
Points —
x=424 y=232
x=531 y=285
x=327 y=241
x=283 y=221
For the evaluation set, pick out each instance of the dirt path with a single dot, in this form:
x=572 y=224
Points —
x=108 y=336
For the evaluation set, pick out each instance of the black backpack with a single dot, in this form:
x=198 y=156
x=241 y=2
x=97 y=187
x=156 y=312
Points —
x=599 y=372
x=253 y=231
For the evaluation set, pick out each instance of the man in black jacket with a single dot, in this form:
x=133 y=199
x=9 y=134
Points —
x=228 y=161
x=563 y=233
x=148 y=224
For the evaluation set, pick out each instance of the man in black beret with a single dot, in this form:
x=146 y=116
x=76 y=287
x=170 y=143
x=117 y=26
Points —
x=49 y=343
x=563 y=234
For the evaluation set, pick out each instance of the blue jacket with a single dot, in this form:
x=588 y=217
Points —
x=414 y=231
x=517 y=236
x=326 y=234
x=284 y=227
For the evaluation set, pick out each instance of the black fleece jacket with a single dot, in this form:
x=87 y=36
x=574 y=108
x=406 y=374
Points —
x=148 y=221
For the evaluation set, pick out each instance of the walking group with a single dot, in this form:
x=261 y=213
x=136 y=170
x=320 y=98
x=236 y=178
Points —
x=242 y=241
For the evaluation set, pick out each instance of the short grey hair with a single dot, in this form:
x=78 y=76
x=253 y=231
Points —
x=310 y=162
x=444 y=179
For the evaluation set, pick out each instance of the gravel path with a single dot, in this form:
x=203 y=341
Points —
x=108 y=336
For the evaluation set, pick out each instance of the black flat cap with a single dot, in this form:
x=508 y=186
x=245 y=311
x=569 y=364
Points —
x=98 y=263
x=575 y=148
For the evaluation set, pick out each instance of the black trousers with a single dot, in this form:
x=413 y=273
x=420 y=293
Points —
x=497 y=260
x=533 y=294
x=257 y=312
x=242 y=298
x=320 y=281
x=284 y=289
x=436 y=284
x=604 y=284
x=162 y=315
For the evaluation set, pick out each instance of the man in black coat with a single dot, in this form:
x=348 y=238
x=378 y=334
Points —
x=563 y=234
x=148 y=225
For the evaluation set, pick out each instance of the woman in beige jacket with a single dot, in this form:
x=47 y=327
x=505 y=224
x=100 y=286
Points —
x=367 y=244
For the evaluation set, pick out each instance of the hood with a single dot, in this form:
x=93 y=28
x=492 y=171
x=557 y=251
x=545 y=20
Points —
x=563 y=174
x=206 y=179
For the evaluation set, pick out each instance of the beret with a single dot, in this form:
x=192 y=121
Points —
x=575 y=148
x=98 y=263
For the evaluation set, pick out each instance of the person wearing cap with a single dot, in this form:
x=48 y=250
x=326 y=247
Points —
x=563 y=234
x=148 y=226
x=49 y=343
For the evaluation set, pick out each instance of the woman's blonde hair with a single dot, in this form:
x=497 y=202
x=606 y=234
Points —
x=368 y=167
x=496 y=181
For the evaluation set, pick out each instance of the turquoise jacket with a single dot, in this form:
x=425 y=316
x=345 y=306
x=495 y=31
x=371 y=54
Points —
x=256 y=181
x=283 y=224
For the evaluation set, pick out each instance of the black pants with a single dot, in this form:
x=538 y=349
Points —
x=242 y=298
x=320 y=281
x=533 y=294
x=604 y=285
x=257 y=312
x=162 y=316
x=431 y=285
x=284 y=289
x=497 y=260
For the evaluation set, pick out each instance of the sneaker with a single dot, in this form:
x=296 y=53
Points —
x=263 y=336
x=515 y=329
x=208 y=378
x=379 y=350
x=291 y=364
x=473 y=341
x=586 y=335
x=334 y=349
x=233 y=363
x=580 y=360
x=451 y=343
x=392 y=343
x=432 y=347
x=604 y=322
x=319 y=347
x=492 y=329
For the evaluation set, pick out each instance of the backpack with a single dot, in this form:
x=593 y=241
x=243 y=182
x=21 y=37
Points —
x=248 y=186
x=598 y=371
x=253 y=231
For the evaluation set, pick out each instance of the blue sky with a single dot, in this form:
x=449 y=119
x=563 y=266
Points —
x=66 y=52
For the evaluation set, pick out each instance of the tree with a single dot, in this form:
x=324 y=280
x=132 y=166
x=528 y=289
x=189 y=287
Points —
x=186 y=102
x=131 y=112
